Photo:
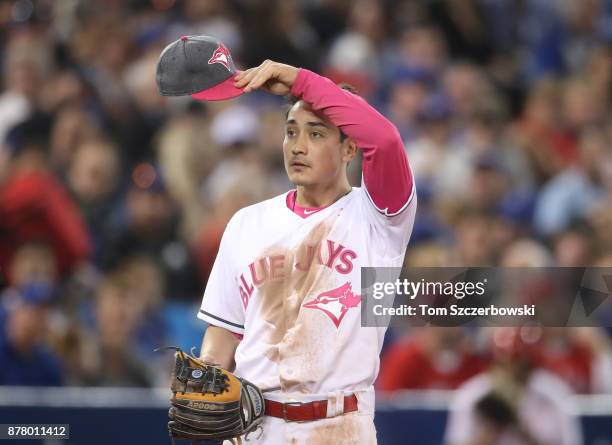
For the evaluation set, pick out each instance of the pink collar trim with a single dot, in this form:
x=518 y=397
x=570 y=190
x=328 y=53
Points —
x=303 y=212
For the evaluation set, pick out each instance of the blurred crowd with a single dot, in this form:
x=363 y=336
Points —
x=113 y=198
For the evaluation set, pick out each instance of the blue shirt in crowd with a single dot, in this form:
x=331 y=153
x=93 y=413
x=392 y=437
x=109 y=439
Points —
x=40 y=368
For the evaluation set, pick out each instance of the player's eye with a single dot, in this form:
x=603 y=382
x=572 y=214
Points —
x=316 y=134
x=290 y=132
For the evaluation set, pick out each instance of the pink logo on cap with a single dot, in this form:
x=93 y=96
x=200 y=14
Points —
x=336 y=302
x=222 y=56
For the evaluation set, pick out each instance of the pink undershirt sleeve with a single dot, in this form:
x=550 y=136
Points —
x=386 y=175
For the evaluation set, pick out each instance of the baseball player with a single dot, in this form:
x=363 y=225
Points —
x=283 y=298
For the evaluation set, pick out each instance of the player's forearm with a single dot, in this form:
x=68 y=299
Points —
x=386 y=173
x=359 y=120
x=218 y=347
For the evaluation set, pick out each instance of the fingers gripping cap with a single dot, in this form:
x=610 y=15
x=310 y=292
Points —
x=199 y=66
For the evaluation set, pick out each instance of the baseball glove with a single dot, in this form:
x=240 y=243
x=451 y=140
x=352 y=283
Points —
x=210 y=403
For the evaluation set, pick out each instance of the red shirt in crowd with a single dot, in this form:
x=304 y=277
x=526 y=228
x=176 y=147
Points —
x=35 y=206
x=408 y=365
x=572 y=363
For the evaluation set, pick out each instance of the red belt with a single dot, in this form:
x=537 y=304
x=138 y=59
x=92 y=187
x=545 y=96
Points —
x=305 y=412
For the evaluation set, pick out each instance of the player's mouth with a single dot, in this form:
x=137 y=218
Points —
x=298 y=165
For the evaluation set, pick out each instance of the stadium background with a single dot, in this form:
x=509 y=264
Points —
x=113 y=198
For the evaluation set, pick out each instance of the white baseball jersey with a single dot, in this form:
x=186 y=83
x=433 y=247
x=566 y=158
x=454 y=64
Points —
x=291 y=285
x=289 y=280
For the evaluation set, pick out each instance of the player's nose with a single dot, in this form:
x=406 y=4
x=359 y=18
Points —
x=300 y=147
x=297 y=150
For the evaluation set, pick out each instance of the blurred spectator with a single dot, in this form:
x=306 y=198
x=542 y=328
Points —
x=570 y=195
x=232 y=131
x=72 y=128
x=479 y=166
x=327 y=18
x=211 y=18
x=464 y=84
x=26 y=62
x=526 y=253
x=277 y=30
x=144 y=281
x=102 y=49
x=577 y=357
x=601 y=221
x=186 y=156
x=150 y=228
x=513 y=402
x=474 y=238
x=236 y=181
x=33 y=262
x=599 y=72
x=34 y=205
x=103 y=46
x=15 y=103
x=574 y=247
x=598 y=342
x=136 y=288
x=207 y=242
x=466 y=28
x=93 y=173
x=485 y=137
x=430 y=255
x=354 y=56
x=25 y=359
x=432 y=157
x=270 y=143
x=407 y=98
x=93 y=178
x=588 y=23
x=421 y=47
x=430 y=358
x=143 y=88
x=538 y=28
x=540 y=133
x=581 y=106
x=488 y=184
x=117 y=313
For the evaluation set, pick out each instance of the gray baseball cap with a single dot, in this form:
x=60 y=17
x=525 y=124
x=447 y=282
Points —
x=199 y=66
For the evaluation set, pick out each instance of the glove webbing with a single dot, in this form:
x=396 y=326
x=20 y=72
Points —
x=211 y=379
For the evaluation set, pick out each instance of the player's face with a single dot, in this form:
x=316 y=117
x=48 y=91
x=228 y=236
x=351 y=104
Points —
x=314 y=153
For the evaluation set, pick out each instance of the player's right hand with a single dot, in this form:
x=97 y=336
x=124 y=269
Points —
x=273 y=77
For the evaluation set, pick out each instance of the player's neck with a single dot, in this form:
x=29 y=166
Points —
x=314 y=196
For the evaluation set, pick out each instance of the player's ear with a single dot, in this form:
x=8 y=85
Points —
x=349 y=150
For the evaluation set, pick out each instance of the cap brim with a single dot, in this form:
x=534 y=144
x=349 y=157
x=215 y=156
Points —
x=223 y=91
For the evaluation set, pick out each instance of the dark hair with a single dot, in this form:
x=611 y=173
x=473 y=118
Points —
x=31 y=134
x=292 y=100
x=493 y=408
